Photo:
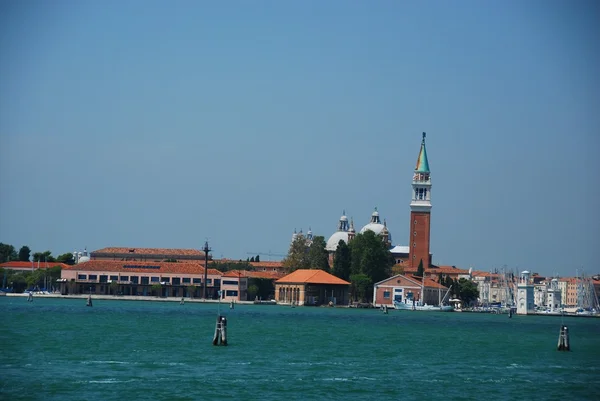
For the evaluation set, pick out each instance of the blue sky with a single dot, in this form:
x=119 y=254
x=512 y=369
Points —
x=162 y=124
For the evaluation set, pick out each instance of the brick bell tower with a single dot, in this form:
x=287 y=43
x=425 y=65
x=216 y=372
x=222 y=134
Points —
x=420 y=212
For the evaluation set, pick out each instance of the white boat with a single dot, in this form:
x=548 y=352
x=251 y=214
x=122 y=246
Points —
x=411 y=304
x=416 y=305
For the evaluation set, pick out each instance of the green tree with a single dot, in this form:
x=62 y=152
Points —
x=341 y=261
x=257 y=258
x=370 y=256
x=266 y=289
x=156 y=289
x=191 y=289
x=317 y=254
x=43 y=257
x=297 y=257
x=467 y=291
x=361 y=286
x=420 y=269
x=252 y=291
x=252 y=259
x=7 y=253
x=24 y=253
x=66 y=258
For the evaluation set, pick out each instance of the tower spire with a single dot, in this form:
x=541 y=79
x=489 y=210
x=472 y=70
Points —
x=420 y=211
x=422 y=162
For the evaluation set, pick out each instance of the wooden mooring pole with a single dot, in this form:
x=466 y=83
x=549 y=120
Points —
x=220 y=337
x=563 y=339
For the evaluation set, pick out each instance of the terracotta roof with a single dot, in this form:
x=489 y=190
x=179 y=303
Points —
x=29 y=265
x=254 y=264
x=150 y=251
x=252 y=274
x=142 y=267
x=267 y=264
x=431 y=283
x=309 y=276
x=446 y=269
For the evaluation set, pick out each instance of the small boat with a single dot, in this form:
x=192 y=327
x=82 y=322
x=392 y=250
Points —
x=416 y=305
x=411 y=304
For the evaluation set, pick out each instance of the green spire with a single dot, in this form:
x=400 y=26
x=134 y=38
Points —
x=422 y=163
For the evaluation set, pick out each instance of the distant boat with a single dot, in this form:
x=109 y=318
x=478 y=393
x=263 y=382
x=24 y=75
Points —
x=411 y=304
x=416 y=305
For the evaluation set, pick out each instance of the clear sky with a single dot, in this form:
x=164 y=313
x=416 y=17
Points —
x=166 y=123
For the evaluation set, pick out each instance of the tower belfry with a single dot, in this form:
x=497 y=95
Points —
x=420 y=211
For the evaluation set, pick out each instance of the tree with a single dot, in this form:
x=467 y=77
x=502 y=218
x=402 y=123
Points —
x=370 y=256
x=7 y=253
x=467 y=291
x=361 y=286
x=252 y=259
x=114 y=286
x=191 y=289
x=397 y=269
x=297 y=257
x=66 y=258
x=420 y=269
x=156 y=289
x=252 y=291
x=341 y=261
x=317 y=254
x=43 y=257
x=257 y=258
x=24 y=253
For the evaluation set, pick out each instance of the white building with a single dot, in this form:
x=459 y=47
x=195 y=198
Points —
x=525 y=296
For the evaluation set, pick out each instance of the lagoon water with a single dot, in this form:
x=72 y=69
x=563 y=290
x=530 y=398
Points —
x=59 y=349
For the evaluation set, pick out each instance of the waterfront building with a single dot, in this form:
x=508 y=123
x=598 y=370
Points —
x=553 y=296
x=525 y=297
x=29 y=266
x=134 y=277
x=235 y=283
x=148 y=254
x=311 y=287
x=401 y=288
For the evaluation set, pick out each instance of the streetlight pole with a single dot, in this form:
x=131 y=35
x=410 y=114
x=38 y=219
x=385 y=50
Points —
x=206 y=250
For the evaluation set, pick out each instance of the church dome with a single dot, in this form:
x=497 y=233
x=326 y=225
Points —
x=334 y=240
x=374 y=225
x=340 y=234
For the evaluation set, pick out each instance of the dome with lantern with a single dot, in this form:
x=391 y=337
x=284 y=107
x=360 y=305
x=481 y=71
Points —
x=344 y=232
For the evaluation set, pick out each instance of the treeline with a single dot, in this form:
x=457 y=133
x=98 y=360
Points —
x=38 y=279
x=8 y=253
x=363 y=262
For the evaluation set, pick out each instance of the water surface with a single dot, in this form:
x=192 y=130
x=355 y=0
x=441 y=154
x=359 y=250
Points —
x=59 y=349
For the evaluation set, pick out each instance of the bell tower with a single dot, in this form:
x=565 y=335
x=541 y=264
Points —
x=420 y=212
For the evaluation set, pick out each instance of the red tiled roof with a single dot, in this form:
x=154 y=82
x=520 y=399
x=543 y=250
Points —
x=431 y=283
x=273 y=263
x=150 y=251
x=309 y=276
x=446 y=269
x=138 y=267
x=252 y=274
x=267 y=264
x=29 y=265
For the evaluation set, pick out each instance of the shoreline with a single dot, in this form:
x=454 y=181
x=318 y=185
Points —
x=126 y=298
x=215 y=301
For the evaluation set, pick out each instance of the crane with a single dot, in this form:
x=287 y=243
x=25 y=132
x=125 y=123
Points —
x=269 y=254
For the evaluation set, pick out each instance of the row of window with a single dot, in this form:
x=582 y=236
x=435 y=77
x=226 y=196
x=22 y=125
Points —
x=145 y=279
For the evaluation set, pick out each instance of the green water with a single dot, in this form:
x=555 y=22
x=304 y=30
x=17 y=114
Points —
x=59 y=349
